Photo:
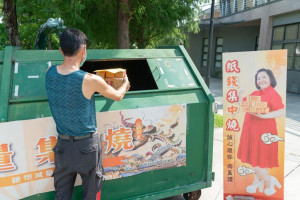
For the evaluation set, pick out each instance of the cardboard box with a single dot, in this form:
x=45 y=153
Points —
x=100 y=73
x=113 y=77
x=114 y=82
x=111 y=73
x=255 y=105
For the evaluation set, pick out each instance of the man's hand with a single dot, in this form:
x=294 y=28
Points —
x=126 y=81
x=93 y=83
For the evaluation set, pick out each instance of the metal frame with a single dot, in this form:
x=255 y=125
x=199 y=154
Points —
x=5 y=83
x=230 y=7
x=235 y=6
x=256 y=43
x=283 y=42
x=216 y=46
x=203 y=45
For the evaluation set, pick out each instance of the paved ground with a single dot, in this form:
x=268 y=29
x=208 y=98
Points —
x=292 y=149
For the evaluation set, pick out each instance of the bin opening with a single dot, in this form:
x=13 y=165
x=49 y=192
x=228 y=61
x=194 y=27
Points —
x=138 y=72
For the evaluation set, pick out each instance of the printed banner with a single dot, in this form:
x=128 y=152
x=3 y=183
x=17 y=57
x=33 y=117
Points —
x=254 y=99
x=133 y=141
x=144 y=139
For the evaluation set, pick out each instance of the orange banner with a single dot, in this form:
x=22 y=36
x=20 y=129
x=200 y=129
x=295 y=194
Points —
x=133 y=141
x=25 y=177
x=254 y=91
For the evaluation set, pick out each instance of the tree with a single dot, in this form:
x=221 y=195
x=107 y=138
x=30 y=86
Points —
x=124 y=17
x=147 y=22
x=96 y=18
x=30 y=19
x=163 y=22
x=10 y=20
x=113 y=23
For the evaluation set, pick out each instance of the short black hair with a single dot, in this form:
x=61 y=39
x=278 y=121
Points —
x=71 y=40
x=271 y=76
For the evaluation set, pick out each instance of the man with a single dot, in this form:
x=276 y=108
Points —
x=71 y=98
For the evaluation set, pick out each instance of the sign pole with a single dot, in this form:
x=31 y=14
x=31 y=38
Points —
x=211 y=34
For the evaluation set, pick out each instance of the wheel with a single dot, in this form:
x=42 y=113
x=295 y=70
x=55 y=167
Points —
x=192 y=195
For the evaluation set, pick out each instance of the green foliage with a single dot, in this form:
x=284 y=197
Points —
x=218 y=120
x=31 y=15
x=96 y=18
x=160 y=22
x=153 y=22
x=3 y=36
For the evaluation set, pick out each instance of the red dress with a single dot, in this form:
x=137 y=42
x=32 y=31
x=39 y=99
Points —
x=251 y=149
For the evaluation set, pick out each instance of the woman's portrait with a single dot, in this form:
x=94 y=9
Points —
x=252 y=149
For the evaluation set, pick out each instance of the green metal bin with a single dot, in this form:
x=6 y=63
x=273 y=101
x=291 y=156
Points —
x=158 y=77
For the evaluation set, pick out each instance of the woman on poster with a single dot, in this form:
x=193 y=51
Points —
x=252 y=149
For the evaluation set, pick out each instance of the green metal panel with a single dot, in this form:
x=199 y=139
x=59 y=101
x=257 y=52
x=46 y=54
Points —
x=156 y=73
x=39 y=55
x=36 y=108
x=1 y=65
x=210 y=115
x=29 y=80
x=5 y=83
x=1 y=56
x=175 y=62
x=171 y=73
x=1 y=69
x=28 y=110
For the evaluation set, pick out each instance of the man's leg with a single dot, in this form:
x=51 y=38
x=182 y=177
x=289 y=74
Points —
x=89 y=166
x=64 y=185
x=91 y=185
x=64 y=176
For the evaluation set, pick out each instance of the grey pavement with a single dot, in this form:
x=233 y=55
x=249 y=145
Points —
x=292 y=149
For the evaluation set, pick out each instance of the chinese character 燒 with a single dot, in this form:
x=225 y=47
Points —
x=232 y=96
x=119 y=139
x=45 y=146
x=229 y=179
x=232 y=125
x=233 y=81
x=6 y=163
x=232 y=66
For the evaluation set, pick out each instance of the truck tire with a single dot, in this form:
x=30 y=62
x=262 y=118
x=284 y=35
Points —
x=192 y=195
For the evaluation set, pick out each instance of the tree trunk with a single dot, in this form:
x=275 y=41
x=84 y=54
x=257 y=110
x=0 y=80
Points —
x=10 y=20
x=124 y=16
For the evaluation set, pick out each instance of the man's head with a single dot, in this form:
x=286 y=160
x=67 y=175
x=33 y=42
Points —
x=71 y=41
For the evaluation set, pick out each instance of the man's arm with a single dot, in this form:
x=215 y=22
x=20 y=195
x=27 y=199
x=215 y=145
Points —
x=97 y=84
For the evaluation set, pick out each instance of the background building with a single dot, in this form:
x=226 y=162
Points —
x=250 y=25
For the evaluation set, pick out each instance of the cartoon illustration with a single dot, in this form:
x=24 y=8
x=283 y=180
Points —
x=156 y=137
